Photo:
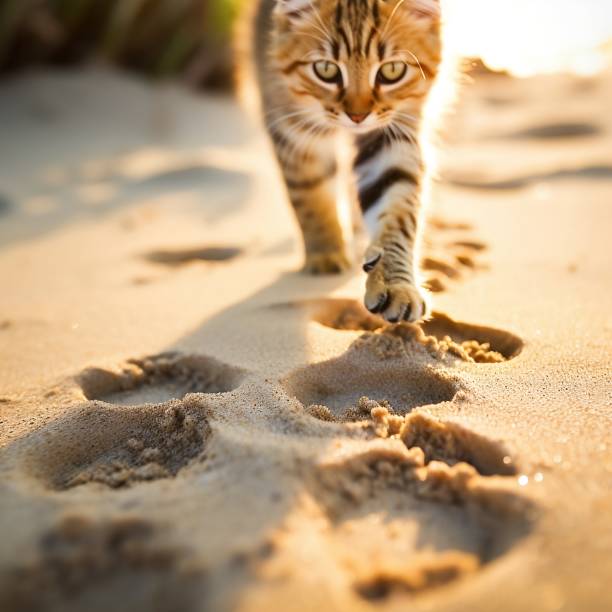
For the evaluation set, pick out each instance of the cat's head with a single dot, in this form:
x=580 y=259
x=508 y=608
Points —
x=360 y=64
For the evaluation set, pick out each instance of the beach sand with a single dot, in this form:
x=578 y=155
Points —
x=188 y=423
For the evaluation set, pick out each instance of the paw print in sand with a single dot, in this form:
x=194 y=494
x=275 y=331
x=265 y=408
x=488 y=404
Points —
x=426 y=503
x=450 y=253
x=119 y=446
x=145 y=420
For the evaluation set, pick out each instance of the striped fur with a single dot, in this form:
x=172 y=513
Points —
x=322 y=67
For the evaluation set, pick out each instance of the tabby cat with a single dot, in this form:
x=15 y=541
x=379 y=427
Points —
x=362 y=68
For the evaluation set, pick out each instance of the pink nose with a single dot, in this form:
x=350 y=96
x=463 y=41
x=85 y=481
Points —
x=357 y=117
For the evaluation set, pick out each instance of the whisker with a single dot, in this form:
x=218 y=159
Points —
x=393 y=12
x=275 y=109
x=403 y=130
x=282 y=118
x=318 y=16
x=324 y=41
x=400 y=113
x=327 y=36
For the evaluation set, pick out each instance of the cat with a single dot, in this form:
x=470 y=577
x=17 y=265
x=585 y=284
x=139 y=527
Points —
x=363 y=69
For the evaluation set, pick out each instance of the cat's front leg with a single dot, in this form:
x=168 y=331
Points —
x=391 y=287
x=390 y=176
x=310 y=177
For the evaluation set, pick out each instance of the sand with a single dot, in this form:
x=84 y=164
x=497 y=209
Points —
x=189 y=424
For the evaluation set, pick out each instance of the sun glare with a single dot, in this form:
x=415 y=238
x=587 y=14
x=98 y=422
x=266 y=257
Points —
x=526 y=37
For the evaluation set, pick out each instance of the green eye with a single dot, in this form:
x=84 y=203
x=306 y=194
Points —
x=328 y=72
x=391 y=72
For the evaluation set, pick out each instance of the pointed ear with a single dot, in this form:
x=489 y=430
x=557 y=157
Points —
x=291 y=7
x=425 y=9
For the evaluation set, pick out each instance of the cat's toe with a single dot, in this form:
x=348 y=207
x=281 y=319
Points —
x=377 y=302
x=377 y=296
x=327 y=263
x=395 y=302
x=406 y=304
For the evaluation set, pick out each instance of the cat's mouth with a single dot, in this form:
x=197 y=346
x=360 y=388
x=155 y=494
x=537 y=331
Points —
x=358 y=124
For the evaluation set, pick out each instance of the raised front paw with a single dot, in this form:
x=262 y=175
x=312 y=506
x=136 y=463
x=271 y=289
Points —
x=395 y=300
x=333 y=262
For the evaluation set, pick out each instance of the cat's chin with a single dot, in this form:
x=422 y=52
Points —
x=360 y=131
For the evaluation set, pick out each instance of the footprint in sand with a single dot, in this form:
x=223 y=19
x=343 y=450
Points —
x=178 y=257
x=557 y=131
x=469 y=342
x=331 y=389
x=118 y=446
x=482 y=344
x=438 y=440
x=482 y=182
x=175 y=258
x=450 y=253
x=159 y=378
x=406 y=519
x=153 y=432
x=80 y=555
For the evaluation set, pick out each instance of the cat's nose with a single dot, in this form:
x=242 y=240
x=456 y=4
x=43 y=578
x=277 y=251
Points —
x=357 y=117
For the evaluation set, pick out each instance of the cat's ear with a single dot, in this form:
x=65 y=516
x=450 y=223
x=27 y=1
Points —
x=292 y=7
x=425 y=9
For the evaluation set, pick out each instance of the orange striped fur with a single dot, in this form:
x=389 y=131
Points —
x=361 y=69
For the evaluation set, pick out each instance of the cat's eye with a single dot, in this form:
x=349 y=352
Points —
x=327 y=71
x=391 y=72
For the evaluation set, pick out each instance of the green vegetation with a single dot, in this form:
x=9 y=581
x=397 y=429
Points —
x=186 y=39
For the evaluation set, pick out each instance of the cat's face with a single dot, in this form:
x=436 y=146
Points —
x=358 y=64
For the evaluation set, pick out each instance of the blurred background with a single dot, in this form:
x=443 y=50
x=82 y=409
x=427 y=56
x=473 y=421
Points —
x=97 y=97
x=186 y=39
x=190 y=39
